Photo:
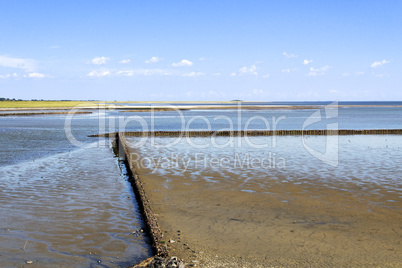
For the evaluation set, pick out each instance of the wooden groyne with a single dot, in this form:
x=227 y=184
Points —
x=147 y=213
x=242 y=133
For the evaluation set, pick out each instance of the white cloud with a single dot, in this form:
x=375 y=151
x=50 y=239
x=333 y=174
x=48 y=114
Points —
x=250 y=70
x=35 y=75
x=153 y=60
x=27 y=65
x=182 y=63
x=99 y=60
x=305 y=62
x=286 y=70
x=289 y=56
x=205 y=59
x=333 y=91
x=144 y=72
x=125 y=61
x=319 y=71
x=216 y=74
x=6 y=76
x=194 y=74
x=153 y=72
x=233 y=74
x=99 y=73
x=379 y=63
x=126 y=73
x=351 y=74
x=265 y=76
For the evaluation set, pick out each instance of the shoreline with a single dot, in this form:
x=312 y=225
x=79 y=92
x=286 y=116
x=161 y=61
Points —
x=149 y=216
x=162 y=108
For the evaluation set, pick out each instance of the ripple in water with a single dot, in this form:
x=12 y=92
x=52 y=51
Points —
x=70 y=209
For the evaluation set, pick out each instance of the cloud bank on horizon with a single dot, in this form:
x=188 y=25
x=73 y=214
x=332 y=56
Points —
x=265 y=51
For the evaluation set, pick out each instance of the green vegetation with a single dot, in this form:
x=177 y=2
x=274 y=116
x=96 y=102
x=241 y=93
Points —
x=45 y=104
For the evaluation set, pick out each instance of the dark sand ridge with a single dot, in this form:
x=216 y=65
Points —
x=240 y=107
x=218 y=107
x=217 y=227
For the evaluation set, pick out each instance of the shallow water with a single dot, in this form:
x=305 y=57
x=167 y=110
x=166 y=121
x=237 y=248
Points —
x=27 y=137
x=360 y=160
x=69 y=209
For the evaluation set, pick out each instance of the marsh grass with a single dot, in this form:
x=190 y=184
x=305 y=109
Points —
x=46 y=104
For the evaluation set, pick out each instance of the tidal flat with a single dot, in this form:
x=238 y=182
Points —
x=217 y=206
x=292 y=211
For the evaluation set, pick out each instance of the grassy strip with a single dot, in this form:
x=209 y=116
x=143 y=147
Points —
x=45 y=104
x=44 y=113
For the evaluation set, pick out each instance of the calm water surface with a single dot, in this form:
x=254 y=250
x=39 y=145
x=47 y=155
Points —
x=63 y=205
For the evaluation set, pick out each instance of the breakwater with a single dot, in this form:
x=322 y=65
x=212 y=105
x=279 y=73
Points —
x=148 y=215
x=243 y=133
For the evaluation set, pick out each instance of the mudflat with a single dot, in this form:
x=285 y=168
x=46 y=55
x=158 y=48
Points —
x=257 y=218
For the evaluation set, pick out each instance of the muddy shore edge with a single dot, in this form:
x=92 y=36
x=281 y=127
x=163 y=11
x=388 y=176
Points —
x=161 y=256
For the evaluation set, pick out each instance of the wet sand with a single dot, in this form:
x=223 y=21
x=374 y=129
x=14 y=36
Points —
x=287 y=218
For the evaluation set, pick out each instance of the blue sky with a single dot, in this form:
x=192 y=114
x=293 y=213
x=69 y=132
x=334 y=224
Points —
x=201 y=50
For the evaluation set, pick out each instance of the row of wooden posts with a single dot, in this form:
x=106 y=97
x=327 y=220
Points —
x=241 y=133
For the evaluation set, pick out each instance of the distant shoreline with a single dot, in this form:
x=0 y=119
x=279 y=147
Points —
x=176 y=106
x=40 y=113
